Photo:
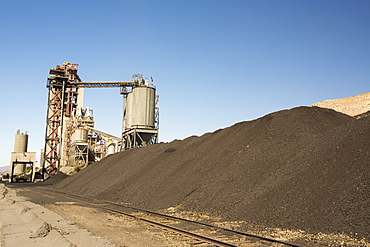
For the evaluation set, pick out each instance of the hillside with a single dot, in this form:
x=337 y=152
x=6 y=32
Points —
x=353 y=106
x=4 y=169
x=305 y=168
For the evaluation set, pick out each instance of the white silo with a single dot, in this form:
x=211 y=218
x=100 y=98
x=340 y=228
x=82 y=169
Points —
x=140 y=111
x=20 y=146
x=80 y=135
x=21 y=142
x=139 y=108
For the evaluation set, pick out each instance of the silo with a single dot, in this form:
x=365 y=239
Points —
x=20 y=146
x=21 y=142
x=139 y=108
x=80 y=135
x=140 y=111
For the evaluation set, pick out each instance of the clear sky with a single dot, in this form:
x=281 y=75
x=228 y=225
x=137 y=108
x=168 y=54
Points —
x=214 y=62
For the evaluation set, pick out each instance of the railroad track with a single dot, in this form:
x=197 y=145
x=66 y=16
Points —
x=210 y=234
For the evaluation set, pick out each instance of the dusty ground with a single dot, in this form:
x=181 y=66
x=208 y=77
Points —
x=23 y=223
x=64 y=224
x=121 y=230
x=124 y=231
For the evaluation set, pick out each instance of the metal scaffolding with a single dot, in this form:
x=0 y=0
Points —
x=61 y=101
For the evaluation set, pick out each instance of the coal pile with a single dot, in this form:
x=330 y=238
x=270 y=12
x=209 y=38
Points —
x=54 y=179
x=305 y=168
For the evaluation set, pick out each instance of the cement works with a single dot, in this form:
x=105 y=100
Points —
x=70 y=136
x=305 y=169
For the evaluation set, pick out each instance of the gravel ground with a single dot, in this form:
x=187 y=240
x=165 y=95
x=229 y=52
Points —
x=304 y=169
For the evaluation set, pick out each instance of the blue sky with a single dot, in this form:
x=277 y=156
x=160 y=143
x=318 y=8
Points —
x=214 y=62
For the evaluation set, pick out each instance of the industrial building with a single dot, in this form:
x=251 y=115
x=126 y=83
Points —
x=70 y=136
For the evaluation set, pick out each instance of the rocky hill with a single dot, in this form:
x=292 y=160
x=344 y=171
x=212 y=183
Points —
x=305 y=168
x=353 y=106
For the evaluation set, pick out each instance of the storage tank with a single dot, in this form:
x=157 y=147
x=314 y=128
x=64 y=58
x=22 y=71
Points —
x=20 y=146
x=139 y=108
x=80 y=135
x=21 y=142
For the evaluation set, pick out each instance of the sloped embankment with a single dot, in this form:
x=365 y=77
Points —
x=305 y=168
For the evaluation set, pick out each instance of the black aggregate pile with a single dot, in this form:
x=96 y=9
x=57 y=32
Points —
x=54 y=179
x=305 y=168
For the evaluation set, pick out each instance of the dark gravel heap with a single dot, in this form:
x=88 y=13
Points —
x=54 y=179
x=305 y=168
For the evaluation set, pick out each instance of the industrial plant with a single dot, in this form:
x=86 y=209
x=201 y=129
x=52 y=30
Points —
x=70 y=136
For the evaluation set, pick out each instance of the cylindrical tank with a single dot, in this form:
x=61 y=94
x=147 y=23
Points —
x=20 y=146
x=21 y=142
x=139 y=108
x=80 y=135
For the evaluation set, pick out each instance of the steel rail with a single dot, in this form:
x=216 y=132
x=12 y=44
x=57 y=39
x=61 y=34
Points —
x=183 y=232
x=204 y=224
x=167 y=227
x=175 y=218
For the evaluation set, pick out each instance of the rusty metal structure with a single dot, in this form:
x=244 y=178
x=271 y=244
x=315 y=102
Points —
x=70 y=136
x=61 y=100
